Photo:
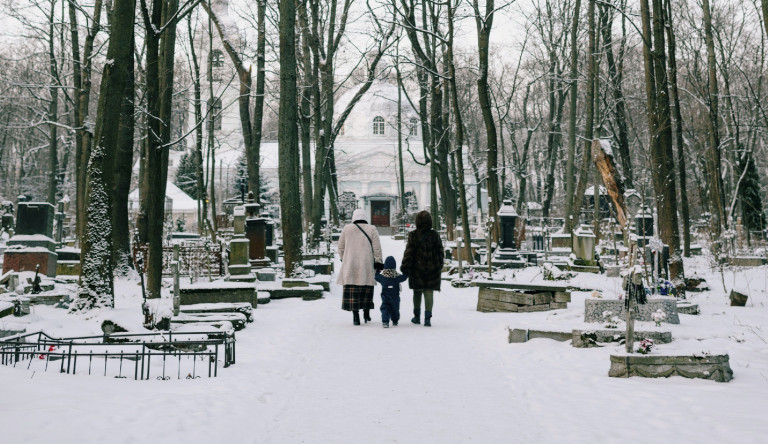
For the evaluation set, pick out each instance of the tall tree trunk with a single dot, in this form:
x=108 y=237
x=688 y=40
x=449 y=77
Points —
x=484 y=25
x=288 y=143
x=305 y=118
x=619 y=110
x=258 y=106
x=121 y=185
x=161 y=40
x=716 y=197
x=202 y=201
x=82 y=82
x=53 y=111
x=679 y=140
x=663 y=169
x=98 y=280
x=570 y=171
x=459 y=137
x=581 y=185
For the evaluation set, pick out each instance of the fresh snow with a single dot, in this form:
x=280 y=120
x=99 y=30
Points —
x=304 y=373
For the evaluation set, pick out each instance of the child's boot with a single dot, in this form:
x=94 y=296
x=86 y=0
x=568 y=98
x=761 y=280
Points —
x=367 y=315
x=385 y=324
x=416 y=317
x=427 y=318
x=356 y=317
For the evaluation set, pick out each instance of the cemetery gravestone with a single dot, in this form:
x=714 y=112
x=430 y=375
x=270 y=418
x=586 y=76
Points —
x=32 y=244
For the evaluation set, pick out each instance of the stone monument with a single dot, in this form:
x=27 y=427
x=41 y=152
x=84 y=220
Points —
x=32 y=244
x=239 y=247
x=256 y=232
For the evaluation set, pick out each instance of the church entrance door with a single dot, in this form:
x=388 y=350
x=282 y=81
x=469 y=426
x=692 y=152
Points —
x=380 y=213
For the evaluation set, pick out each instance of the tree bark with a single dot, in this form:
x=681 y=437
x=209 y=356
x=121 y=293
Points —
x=619 y=110
x=570 y=171
x=123 y=168
x=581 y=185
x=202 y=200
x=53 y=111
x=82 y=80
x=459 y=139
x=484 y=25
x=98 y=280
x=679 y=140
x=288 y=143
x=716 y=197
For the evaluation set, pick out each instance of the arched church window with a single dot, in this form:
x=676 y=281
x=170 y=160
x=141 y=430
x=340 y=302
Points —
x=413 y=124
x=378 y=126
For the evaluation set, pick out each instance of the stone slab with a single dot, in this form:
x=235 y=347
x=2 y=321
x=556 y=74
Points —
x=68 y=268
x=220 y=307
x=711 y=367
x=562 y=296
x=6 y=309
x=518 y=285
x=747 y=261
x=585 y=268
x=558 y=305
x=533 y=308
x=688 y=308
x=594 y=308
x=738 y=299
x=266 y=275
x=293 y=283
x=310 y=292
x=496 y=306
x=518 y=335
x=263 y=297
x=542 y=298
x=27 y=259
x=238 y=320
x=234 y=292
x=47 y=299
x=592 y=338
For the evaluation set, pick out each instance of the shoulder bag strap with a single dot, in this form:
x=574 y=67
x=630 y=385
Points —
x=369 y=241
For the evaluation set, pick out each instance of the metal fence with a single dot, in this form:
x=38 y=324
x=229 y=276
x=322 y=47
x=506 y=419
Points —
x=142 y=356
x=195 y=258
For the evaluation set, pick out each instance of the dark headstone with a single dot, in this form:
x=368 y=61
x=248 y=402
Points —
x=738 y=299
x=508 y=221
x=34 y=218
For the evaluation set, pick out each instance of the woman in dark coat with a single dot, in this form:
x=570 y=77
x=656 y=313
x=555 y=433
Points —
x=423 y=263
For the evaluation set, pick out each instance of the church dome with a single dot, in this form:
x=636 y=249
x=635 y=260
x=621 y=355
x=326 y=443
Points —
x=374 y=117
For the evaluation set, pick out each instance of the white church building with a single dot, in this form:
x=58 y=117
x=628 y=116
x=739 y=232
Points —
x=366 y=150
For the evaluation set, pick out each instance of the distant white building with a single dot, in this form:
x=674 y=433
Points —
x=366 y=150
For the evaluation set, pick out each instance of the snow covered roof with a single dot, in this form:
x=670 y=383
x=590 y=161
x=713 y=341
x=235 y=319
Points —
x=591 y=191
x=181 y=200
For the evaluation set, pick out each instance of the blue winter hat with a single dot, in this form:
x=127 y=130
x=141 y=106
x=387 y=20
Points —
x=390 y=263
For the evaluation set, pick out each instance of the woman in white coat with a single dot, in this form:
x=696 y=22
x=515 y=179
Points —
x=360 y=252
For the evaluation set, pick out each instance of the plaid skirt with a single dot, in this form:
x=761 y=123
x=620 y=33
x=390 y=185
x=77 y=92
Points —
x=357 y=297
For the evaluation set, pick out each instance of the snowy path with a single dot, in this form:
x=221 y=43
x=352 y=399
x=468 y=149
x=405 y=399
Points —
x=304 y=373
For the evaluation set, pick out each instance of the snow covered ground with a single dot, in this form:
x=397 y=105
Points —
x=304 y=373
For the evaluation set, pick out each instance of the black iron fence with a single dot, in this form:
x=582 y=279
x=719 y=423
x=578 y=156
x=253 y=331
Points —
x=142 y=356
x=195 y=258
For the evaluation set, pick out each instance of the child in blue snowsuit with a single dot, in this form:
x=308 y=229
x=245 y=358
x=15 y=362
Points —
x=390 y=291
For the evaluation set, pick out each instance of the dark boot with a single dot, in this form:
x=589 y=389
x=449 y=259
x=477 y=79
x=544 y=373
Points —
x=356 y=317
x=367 y=315
x=427 y=317
x=416 y=317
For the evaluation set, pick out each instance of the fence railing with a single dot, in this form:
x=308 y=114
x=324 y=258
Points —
x=195 y=259
x=184 y=355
